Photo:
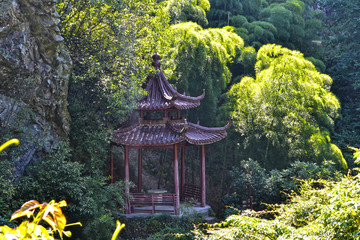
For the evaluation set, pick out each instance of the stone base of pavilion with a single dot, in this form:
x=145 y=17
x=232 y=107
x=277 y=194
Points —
x=184 y=211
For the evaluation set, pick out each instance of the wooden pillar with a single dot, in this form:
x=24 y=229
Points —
x=203 y=186
x=176 y=178
x=126 y=168
x=111 y=163
x=139 y=170
x=182 y=171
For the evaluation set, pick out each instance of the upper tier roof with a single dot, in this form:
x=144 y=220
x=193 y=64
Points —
x=161 y=95
x=144 y=132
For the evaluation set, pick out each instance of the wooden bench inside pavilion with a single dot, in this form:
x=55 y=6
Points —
x=146 y=130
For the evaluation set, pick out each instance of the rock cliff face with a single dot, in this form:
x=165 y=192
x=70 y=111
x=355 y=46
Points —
x=34 y=72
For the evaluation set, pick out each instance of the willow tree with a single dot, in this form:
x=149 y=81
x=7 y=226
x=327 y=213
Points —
x=287 y=111
x=198 y=60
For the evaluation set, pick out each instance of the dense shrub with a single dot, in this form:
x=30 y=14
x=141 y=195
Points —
x=158 y=227
x=323 y=210
x=250 y=179
x=89 y=199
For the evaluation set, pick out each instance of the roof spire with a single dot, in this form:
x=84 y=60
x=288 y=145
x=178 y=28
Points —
x=156 y=61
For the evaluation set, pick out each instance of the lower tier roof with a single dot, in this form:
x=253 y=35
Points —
x=165 y=132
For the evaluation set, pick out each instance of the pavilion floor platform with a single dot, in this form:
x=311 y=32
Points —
x=185 y=210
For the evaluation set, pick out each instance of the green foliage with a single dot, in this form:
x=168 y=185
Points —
x=110 y=44
x=342 y=60
x=244 y=65
x=89 y=137
x=54 y=177
x=250 y=179
x=322 y=210
x=274 y=186
x=288 y=179
x=198 y=59
x=292 y=23
x=356 y=154
x=188 y=11
x=7 y=188
x=89 y=199
x=158 y=227
x=320 y=66
x=287 y=111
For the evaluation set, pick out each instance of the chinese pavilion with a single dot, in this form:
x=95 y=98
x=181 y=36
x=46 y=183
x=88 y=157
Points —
x=158 y=124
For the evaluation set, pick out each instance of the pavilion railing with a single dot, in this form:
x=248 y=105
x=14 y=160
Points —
x=152 y=203
x=191 y=192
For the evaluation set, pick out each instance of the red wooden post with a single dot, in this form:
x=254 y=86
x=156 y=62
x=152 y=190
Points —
x=203 y=186
x=111 y=163
x=126 y=168
x=182 y=171
x=139 y=169
x=176 y=177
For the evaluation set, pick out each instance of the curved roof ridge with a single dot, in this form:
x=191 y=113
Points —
x=210 y=129
x=165 y=87
x=176 y=95
x=192 y=99
x=161 y=95
x=126 y=126
x=171 y=125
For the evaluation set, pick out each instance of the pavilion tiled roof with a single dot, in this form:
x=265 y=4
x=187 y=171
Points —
x=161 y=95
x=166 y=132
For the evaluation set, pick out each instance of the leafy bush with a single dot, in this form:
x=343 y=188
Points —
x=7 y=188
x=323 y=209
x=54 y=177
x=287 y=180
x=89 y=199
x=158 y=227
x=7 y=191
x=250 y=179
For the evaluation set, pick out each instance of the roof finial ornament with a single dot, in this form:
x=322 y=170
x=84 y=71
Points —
x=156 y=61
